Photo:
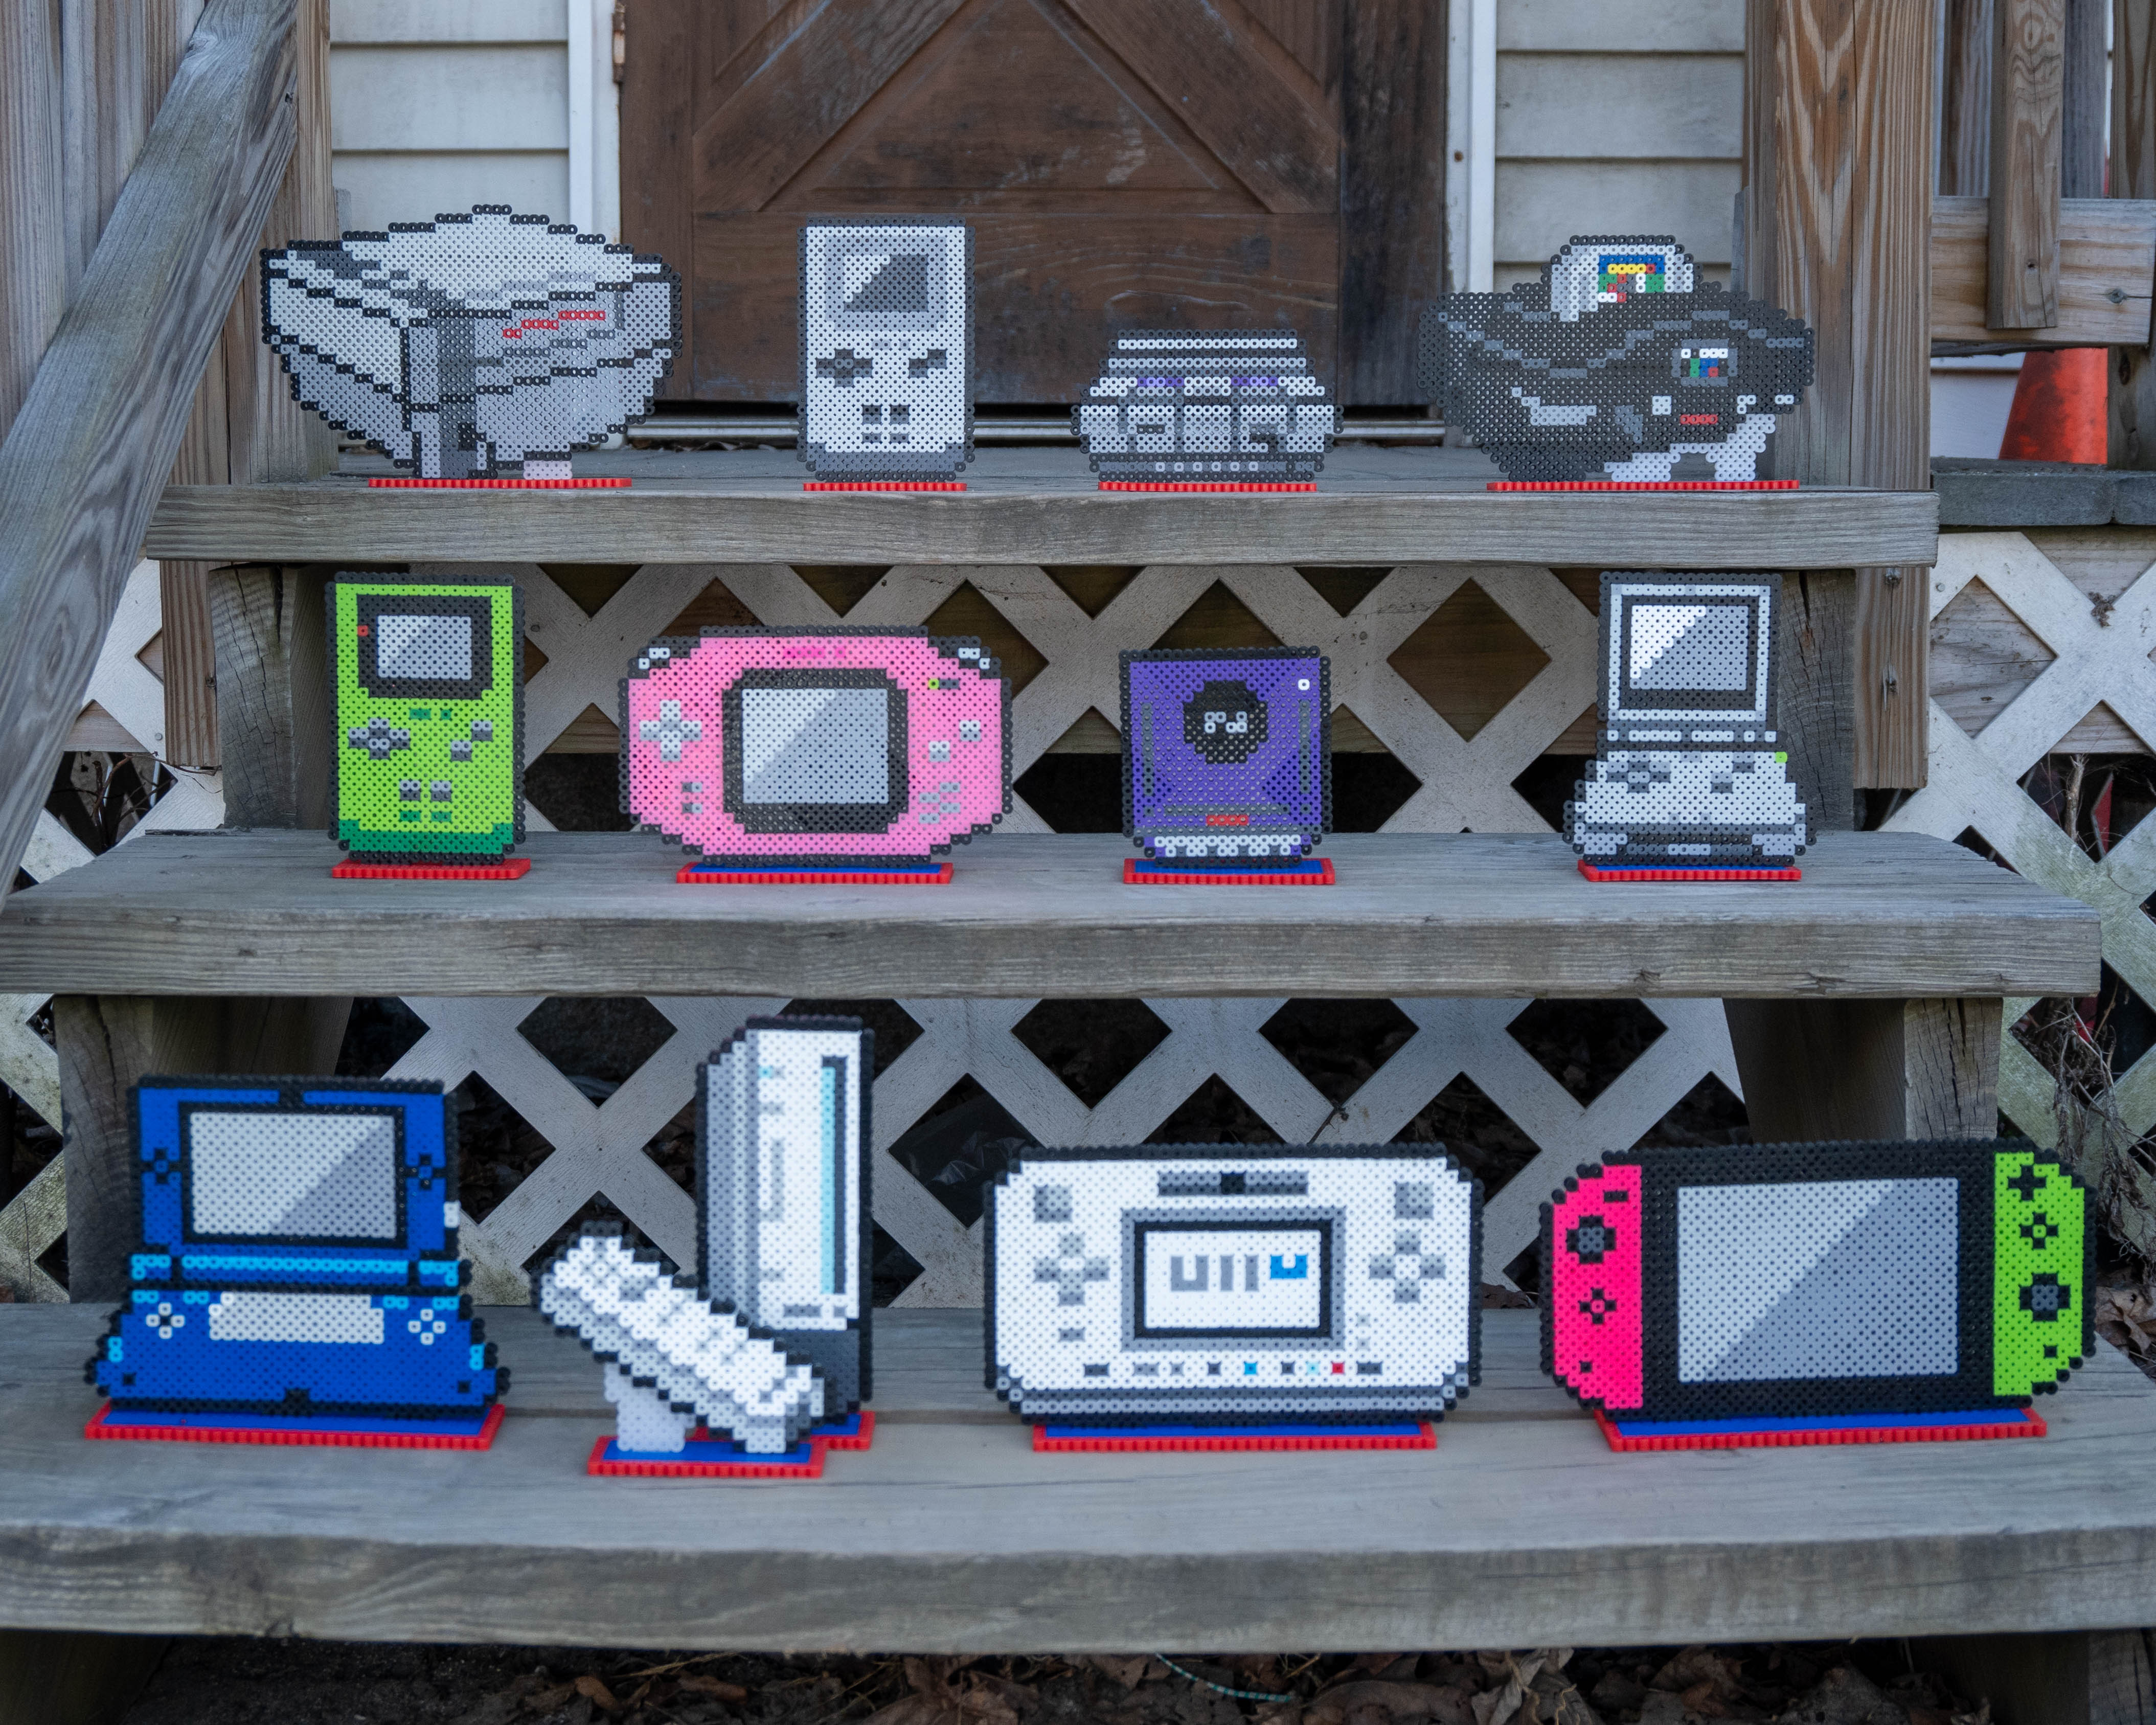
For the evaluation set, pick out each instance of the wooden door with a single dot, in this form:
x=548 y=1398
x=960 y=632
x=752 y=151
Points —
x=1125 y=164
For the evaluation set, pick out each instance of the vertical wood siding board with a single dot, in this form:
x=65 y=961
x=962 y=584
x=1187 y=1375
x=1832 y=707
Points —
x=2131 y=436
x=1392 y=193
x=32 y=204
x=1965 y=100
x=2028 y=68
x=2084 y=129
x=657 y=122
x=818 y=79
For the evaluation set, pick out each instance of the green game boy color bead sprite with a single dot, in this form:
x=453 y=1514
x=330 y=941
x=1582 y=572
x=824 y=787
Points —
x=427 y=732
x=2043 y=1321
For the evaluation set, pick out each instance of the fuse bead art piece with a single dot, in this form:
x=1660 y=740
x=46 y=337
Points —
x=766 y=1348
x=1207 y=410
x=489 y=346
x=1205 y=1297
x=296 y=1277
x=427 y=727
x=1618 y=367
x=1690 y=781
x=1227 y=765
x=1787 y=1294
x=887 y=355
x=790 y=753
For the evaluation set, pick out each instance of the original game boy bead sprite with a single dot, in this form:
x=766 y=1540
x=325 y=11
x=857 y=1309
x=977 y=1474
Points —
x=1211 y=1297
x=860 y=755
x=481 y=349
x=1227 y=765
x=1817 y=1293
x=887 y=355
x=296 y=1277
x=759 y=1363
x=1690 y=781
x=426 y=729
x=1617 y=368
x=1206 y=410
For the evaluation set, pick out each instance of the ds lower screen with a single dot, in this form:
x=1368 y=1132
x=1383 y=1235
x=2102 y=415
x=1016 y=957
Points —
x=292 y=1177
x=1818 y=1279
x=1270 y=1279
x=815 y=746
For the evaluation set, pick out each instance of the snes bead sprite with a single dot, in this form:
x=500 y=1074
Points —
x=473 y=347
x=1218 y=1285
x=1617 y=367
x=766 y=1346
x=1690 y=780
x=887 y=352
x=1817 y=1293
x=1226 y=407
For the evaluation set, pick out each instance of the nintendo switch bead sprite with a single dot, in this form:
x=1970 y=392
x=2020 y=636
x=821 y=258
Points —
x=1690 y=782
x=478 y=349
x=1227 y=765
x=758 y=1364
x=296 y=1277
x=1617 y=368
x=426 y=730
x=1211 y=410
x=1207 y=1296
x=1817 y=1293
x=887 y=355
x=860 y=755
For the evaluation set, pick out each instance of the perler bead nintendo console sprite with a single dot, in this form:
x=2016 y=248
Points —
x=1617 y=370
x=296 y=1278
x=1817 y=1293
x=475 y=349
x=855 y=755
x=1206 y=410
x=1227 y=765
x=1218 y=1297
x=1690 y=782
x=426 y=730
x=758 y=1364
x=887 y=355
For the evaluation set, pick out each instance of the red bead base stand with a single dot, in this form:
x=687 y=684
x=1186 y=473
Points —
x=1623 y=876
x=1203 y=486
x=883 y=485
x=104 y=1424
x=498 y=485
x=510 y=868
x=723 y=1460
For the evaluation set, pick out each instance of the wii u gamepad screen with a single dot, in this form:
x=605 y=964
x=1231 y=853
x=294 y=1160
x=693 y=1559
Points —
x=1231 y=1282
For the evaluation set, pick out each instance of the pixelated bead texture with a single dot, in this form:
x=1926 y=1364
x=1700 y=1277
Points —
x=1206 y=409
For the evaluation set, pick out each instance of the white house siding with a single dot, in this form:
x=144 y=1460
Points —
x=438 y=105
x=1617 y=117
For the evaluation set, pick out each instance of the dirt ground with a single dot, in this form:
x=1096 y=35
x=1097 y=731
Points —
x=243 y=1682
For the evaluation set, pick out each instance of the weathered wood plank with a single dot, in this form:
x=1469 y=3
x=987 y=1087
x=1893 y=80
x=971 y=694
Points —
x=1868 y=1069
x=952 y=1535
x=1965 y=100
x=272 y=695
x=2132 y=441
x=33 y=249
x=2028 y=94
x=1391 y=190
x=83 y=462
x=1473 y=914
x=2107 y=246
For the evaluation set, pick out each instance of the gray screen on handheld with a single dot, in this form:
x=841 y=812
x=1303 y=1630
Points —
x=1679 y=648
x=1818 y=1279
x=424 y=647
x=816 y=747
x=292 y=1176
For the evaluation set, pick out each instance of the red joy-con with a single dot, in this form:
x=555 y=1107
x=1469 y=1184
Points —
x=1596 y=1330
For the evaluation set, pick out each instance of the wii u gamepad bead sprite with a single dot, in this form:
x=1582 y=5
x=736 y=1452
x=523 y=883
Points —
x=1791 y=1291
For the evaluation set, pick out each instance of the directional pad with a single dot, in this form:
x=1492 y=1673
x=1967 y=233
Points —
x=1407 y=1267
x=844 y=365
x=377 y=738
x=1071 y=1270
x=669 y=730
x=2028 y=1182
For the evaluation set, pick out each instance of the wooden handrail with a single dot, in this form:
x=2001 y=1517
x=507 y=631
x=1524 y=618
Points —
x=88 y=453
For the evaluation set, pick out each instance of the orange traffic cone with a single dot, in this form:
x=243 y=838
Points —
x=2059 y=412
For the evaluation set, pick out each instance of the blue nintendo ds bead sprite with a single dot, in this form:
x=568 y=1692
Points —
x=295 y=1278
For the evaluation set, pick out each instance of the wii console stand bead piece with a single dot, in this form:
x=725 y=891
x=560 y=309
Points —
x=757 y=1364
x=1227 y=767
x=296 y=1277
x=1206 y=410
x=427 y=727
x=1618 y=369
x=475 y=349
x=788 y=755
x=1690 y=780
x=1794 y=1294
x=1233 y=1297
x=887 y=355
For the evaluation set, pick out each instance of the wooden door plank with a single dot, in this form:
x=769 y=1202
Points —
x=657 y=123
x=2107 y=263
x=2132 y=437
x=1391 y=194
x=2028 y=93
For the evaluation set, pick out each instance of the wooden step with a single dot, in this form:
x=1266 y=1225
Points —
x=1521 y=1529
x=1040 y=505
x=1507 y=915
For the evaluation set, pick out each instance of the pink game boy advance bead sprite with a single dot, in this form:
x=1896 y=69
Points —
x=831 y=746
